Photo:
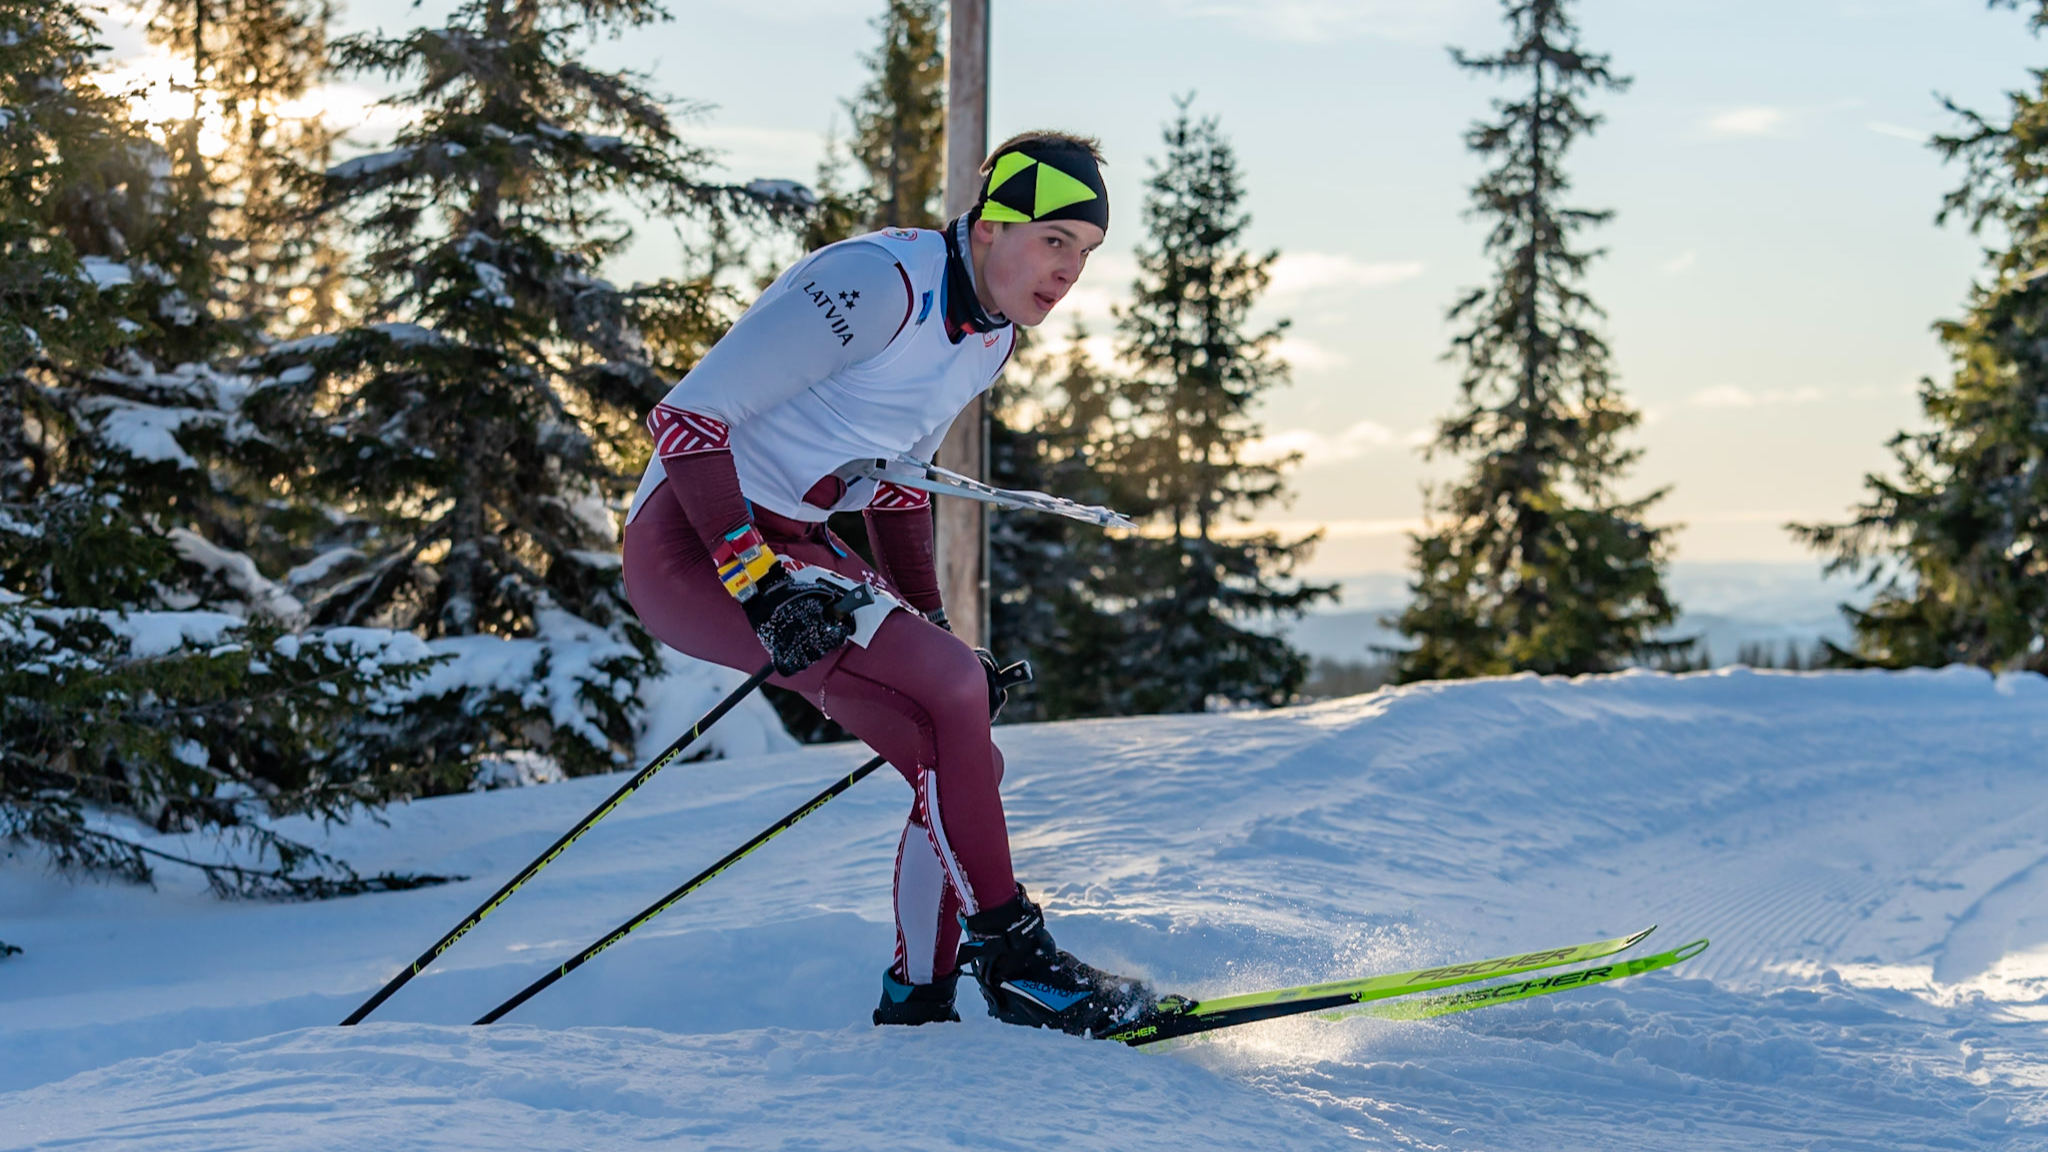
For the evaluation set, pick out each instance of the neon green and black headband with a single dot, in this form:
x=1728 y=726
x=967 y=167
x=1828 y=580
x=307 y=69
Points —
x=1045 y=180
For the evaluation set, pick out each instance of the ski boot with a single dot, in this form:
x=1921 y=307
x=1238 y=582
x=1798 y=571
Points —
x=917 y=1003
x=1027 y=979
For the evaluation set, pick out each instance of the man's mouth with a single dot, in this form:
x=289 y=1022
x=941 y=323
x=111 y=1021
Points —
x=1044 y=300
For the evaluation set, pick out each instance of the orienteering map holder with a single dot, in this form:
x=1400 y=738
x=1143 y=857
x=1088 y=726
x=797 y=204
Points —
x=910 y=472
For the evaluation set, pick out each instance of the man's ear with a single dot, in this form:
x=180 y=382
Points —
x=987 y=230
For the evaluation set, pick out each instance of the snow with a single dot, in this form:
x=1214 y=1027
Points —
x=160 y=633
x=315 y=570
x=785 y=191
x=403 y=333
x=239 y=572
x=589 y=140
x=556 y=668
x=370 y=165
x=492 y=281
x=105 y=273
x=1867 y=851
x=304 y=346
x=145 y=431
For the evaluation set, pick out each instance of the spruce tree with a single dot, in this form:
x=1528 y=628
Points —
x=1054 y=430
x=277 y=271
x=267 y=269
x=483 y=428
x=1189 y=595
x=1532 y=563
x=899 y=117
x=1957 y=545
x=142 y=671
x=899 y=134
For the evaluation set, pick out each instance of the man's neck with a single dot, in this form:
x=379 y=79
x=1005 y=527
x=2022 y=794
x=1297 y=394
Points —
x=977 y=264
x=977 y=255
x=967 y=308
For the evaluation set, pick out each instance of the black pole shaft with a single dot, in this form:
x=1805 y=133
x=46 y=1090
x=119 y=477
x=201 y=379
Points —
x=689 y=886
x=546 y=858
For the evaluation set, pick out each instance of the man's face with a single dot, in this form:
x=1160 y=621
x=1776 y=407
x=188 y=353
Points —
x=1031 y=267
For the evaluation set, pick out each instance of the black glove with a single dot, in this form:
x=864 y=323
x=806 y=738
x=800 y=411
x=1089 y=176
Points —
x=796 y=622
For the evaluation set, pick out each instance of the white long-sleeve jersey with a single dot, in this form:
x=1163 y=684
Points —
x=846 y=357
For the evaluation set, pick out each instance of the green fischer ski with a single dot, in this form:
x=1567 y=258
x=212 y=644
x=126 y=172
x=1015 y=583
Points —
x=1176 y=1016
x=1431 y=1006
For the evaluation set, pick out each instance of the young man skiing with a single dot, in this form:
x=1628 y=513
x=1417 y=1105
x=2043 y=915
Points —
x=867 y=349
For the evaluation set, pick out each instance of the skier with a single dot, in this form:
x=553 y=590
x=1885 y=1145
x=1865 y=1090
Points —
x=867 y=349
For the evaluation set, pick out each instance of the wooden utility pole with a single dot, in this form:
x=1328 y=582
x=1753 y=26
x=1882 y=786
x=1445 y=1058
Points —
x=963 y=524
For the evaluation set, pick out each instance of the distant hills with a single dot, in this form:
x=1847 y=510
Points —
x=1727 y=605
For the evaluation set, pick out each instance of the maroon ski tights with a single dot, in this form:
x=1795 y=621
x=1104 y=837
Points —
x=916 y=694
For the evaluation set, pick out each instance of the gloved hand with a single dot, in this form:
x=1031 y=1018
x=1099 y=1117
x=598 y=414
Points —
x=796 y=622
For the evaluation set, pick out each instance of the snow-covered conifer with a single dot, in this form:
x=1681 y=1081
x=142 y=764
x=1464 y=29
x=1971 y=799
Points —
x=144 y=670
x=477 y=434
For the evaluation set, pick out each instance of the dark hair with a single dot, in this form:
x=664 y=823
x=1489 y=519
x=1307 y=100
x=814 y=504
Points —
x=1089 y=144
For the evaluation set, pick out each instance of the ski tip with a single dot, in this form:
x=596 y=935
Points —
x=1691 y=950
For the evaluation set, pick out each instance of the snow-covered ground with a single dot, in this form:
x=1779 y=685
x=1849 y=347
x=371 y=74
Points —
x=1868 y=853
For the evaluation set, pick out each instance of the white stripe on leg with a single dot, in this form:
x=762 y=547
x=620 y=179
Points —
x=920 y=896
x=928 y=785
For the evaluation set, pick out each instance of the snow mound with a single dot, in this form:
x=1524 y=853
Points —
x=1867 y=851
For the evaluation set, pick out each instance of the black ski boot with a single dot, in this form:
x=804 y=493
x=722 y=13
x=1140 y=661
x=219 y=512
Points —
x=1027 y=979
x=917 y=1003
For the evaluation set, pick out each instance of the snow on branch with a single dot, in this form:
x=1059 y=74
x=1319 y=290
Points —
x=784 y=193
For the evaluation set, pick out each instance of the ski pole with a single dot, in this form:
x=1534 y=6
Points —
x=855 y=599
x=1006 y=678
x=689 y=886
x=560 y=846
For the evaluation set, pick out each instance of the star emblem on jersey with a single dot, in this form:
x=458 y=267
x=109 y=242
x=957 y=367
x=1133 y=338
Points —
x=847 y=298
x=1021 y=189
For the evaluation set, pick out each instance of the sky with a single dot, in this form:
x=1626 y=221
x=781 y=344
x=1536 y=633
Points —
x=1773 y=271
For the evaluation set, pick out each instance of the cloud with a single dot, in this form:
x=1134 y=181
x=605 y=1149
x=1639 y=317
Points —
x=1736 y=396
x=1305 y=354
x=1754 y=120
x=1298 y=351
x=1321 y=448
x=1914 y=134
x=1299 y=273
x=1104 y=283
x=1680 y=264
x=1088 y=303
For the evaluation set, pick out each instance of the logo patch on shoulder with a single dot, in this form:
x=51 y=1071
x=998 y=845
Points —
x=988 y=340
x=900 y=233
